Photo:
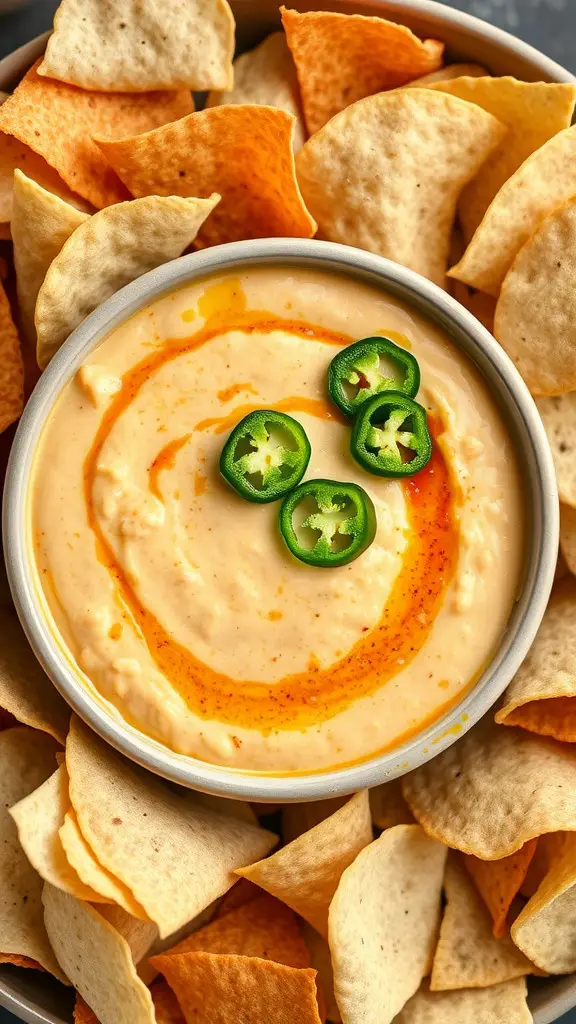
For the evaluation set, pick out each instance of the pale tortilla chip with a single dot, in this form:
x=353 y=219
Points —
x=58 y=121
x=25 y=691
x=14 y=154
x=384 y=922
x=568 y=537
x=389 y=807
x=500 y=1004
x=341 y=58
x=468 y=955
x=385 y=174
x=305 y=873
x=175 y=856
x=543 y=182
x=494 y=790
x=535 y=319
x=97 y=960
x=559 y=417
x=26 y=761
x=499 y=881
x=83 y=861
x=321 y=961
x=266 y=77
x=162 y=44
x=221 y=989
x=11 y=366
x=447 y=74
x=532 y=111
x=109 y=250
x=244 y=153
x=41 y=223
x=300 y=818
x=542 y=695
x=544 y=930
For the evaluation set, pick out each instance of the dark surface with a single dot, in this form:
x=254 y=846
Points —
x=549 y=25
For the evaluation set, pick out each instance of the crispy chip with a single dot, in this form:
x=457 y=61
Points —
x=109 y=250
x=499 y=881
x=242 y=152
x=544 y=930
x=559 y=417
x=26 y=761
x=385 y=174
x=300 y=818
x=13 y=155
x=305 y=874
x=447 y=74
x=11 y=366
x=175 y=856
x=41 y=223
x=162 y=44
x=341 y=58
x=389 y=807
x=140 y=935
x=321 y=961
x=536 y=312
x=499 y=1004
x=384 y=922
x=494 y=790
x=220 y=989
x=97 y=960
x=25 y=691
x=468 y=955
x=166 y=1006
x=532 y=111
x=543 y=182
x=267 y=77
x=58 y=121
x=542 y=695
x=568 y=537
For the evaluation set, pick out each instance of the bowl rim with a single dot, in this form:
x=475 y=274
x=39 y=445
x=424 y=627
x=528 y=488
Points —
x=542 y=539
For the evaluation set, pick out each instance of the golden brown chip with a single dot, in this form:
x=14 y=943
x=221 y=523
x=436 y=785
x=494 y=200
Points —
x=300 y=818
x=341 y=58
x=106 y=252
x=500 y=881
x=14 y=154
x=494 y=790
x=267 y=77
x=305 y=873
x=447 y=74
x=83 y=861
x=166 y=1006
x=532 y=111
x=220 y=989
x=544 y=930
x=11 y=366
x=543 y=182
x=385 y=174
x=468 y=955
x=568 y=538
x=499 y=1004
x=162 y=44
x=244 y=153
x=558 y=414
x=25 y=691
x=542 y=695
x=384 y=922
x=389 y=807
x=175 y=856
x=58 y=121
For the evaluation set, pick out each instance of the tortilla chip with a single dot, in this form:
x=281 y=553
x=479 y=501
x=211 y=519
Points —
x=535 y=313
x=543 y=182
x=266 y=77
x=239 y=895
x=41 y=223
x=384 y=922
x=500 y=881
x=341 y=58
x=481 y=305
x=305 y=873
x=544 y=930
x=385 y=174
x=109 y=250
x=500 y=1004
x=244 y=153
x=559 y=417
x=448 y=74
x=532 y=111
x=141 y=936
x=163 y=44
x=300 y=818
x=221 y=989
x=568 y=537
x=389 y=807
x=542 y=695
x=25 y=691
x=468 y=955
x=14 y=154
x=97 y=960
x=321 y=961
x=11 y=366
x=82 y=1012
x=494 y=790
x=166 y=1006
x=26 y=761
x=58 y=121
x=175 y=856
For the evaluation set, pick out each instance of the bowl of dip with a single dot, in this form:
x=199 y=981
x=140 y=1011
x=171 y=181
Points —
x=167 y=609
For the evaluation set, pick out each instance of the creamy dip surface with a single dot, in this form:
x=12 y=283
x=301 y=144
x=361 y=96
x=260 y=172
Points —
x=177 y=599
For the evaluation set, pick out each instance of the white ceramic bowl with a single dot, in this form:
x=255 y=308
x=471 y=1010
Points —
x=33 y=997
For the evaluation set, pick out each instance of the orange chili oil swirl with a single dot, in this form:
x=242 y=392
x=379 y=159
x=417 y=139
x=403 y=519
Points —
x=305 y=698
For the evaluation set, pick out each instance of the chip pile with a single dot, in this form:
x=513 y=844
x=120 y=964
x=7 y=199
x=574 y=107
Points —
x=427 y=901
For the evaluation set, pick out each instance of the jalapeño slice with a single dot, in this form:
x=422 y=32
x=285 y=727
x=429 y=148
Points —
x=355 y=374
x=326 y=523
x=390 y=436
x=265 y=456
